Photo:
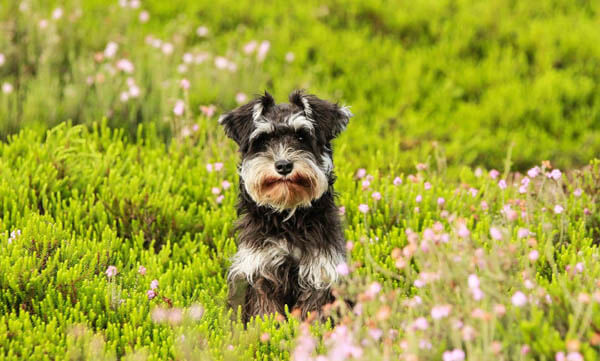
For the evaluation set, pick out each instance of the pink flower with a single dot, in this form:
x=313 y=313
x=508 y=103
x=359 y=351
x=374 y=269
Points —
x=533 y=255
x=397 y=181
x=202 y=31
x=373 y=289
x=250 y=47
x=215 y=190
x=167 y=48
x=558 y=209
x=421 y=166
x=427 y=186
x=522 y=232
x=219 y=199
x=579 y=267
x=525 y=349
x=519 y=299
x=7 y=88
x=342 y=269
x=484 y=205
x=142 y=270
x=533 y=172
x=225 y=184
x=502 y=184
x=111 y=271
x=494 y=174
x=342 y=210
x=438 y=312
x=241 y=98
x=221 y=62
x=574 y=356
x=154 y=284
x=376 y=196
x=208 y=110
x=495 y=233
x=185 y=84
x=555 y=174
x=360 y=173
x=463 y=231
x=2 y=59
x=209 y=167
x=144 y=16
x=363 y=208
x=454 y=355
x=151 y=294
x=57 y=13
x=218 y=166
x=419 y=198
x=560 y=356
x=263 y=49
x=289 y=57
x=365 y=184
x=421 y=324
x=179 y=107
x=473 y=281
x=477 y=294
x=111 y=49
x=473 y=192
x=578 y=192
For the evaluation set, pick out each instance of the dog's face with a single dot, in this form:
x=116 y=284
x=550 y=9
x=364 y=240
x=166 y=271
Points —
x=286 y=150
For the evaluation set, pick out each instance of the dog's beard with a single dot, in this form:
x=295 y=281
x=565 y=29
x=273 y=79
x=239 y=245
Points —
x=265 y=186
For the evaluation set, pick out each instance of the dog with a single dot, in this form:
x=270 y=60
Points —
x=290 y=238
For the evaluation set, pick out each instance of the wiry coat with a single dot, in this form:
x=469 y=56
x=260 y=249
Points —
x=286 y=257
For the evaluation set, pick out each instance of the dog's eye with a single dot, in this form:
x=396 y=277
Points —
x=300 y=137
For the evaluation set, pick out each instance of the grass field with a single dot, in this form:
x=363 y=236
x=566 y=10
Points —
x=467 y=181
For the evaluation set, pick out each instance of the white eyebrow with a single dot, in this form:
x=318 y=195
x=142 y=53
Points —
x=299 y=121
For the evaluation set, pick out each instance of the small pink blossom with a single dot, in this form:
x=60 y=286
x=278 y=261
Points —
x=263 y=49
x=342 y=269
x=454 y=355
x=250 y=47
x=209 y=167
x=363 y=208
x=342 y=210
x=473 y=281
x=208 y=110
x=7 y=88
x=225 y=184
x=494 y=174
x=361 y=173
x=560 y=356
x=558 y=209
x=220 y=199
x=438 y=312
x=533 y=172
x=533 y=255
x=151 y=294
x=418 y=198
x=365 y=184
x=495 y=233
x=473 y=192
x=574 y=356
x=215 y=190
x=578 y=192
x=184 y=84
x=463 y=231
x=525 y=349
x=57 y=13
x=289 y=57
x=142 y=270
x=179 y=107
x=167 y=48
x=523 y=232
x=202 y=31
x=2 y=59
x=241 y=98
x=111 y=271
x=421 y=324
x=144 y=16
x=154 y=284
x=218 y=166
x=421 y=166
x=427 y=186
x=397 y=181
x=555 y=174
x=502 y=184
x=376 y=196
x=519 y=299
x=484 y=205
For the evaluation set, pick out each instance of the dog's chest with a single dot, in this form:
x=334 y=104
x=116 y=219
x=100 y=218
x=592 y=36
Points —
x=315 y=269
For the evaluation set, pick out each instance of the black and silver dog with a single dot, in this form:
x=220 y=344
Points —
x=290 y=237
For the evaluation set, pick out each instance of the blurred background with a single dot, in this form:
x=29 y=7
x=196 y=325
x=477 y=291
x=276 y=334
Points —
x=473 y=81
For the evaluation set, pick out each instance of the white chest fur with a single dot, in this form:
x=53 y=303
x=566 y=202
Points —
x=315 y=271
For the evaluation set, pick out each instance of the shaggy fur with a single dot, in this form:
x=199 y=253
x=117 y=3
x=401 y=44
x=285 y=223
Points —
x=289 y=235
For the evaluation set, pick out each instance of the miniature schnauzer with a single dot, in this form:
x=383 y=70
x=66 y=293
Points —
x=290 y=236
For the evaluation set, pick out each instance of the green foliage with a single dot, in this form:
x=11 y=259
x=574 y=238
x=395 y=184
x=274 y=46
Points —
x=472 y=77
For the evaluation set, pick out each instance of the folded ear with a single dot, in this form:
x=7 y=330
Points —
x=329 y=117
x=240 y=122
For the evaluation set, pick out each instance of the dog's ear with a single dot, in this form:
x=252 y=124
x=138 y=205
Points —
x=240 y=122
x=329 y=117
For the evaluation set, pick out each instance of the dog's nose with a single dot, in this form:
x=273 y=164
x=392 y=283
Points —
x=284 y=167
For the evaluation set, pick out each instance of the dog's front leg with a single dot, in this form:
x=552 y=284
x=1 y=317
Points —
x=262 y=299
x=312 y=301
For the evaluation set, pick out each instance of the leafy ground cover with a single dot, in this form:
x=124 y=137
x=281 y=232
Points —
x=116 y=227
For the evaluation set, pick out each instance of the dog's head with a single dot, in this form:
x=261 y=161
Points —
x=286 y=148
